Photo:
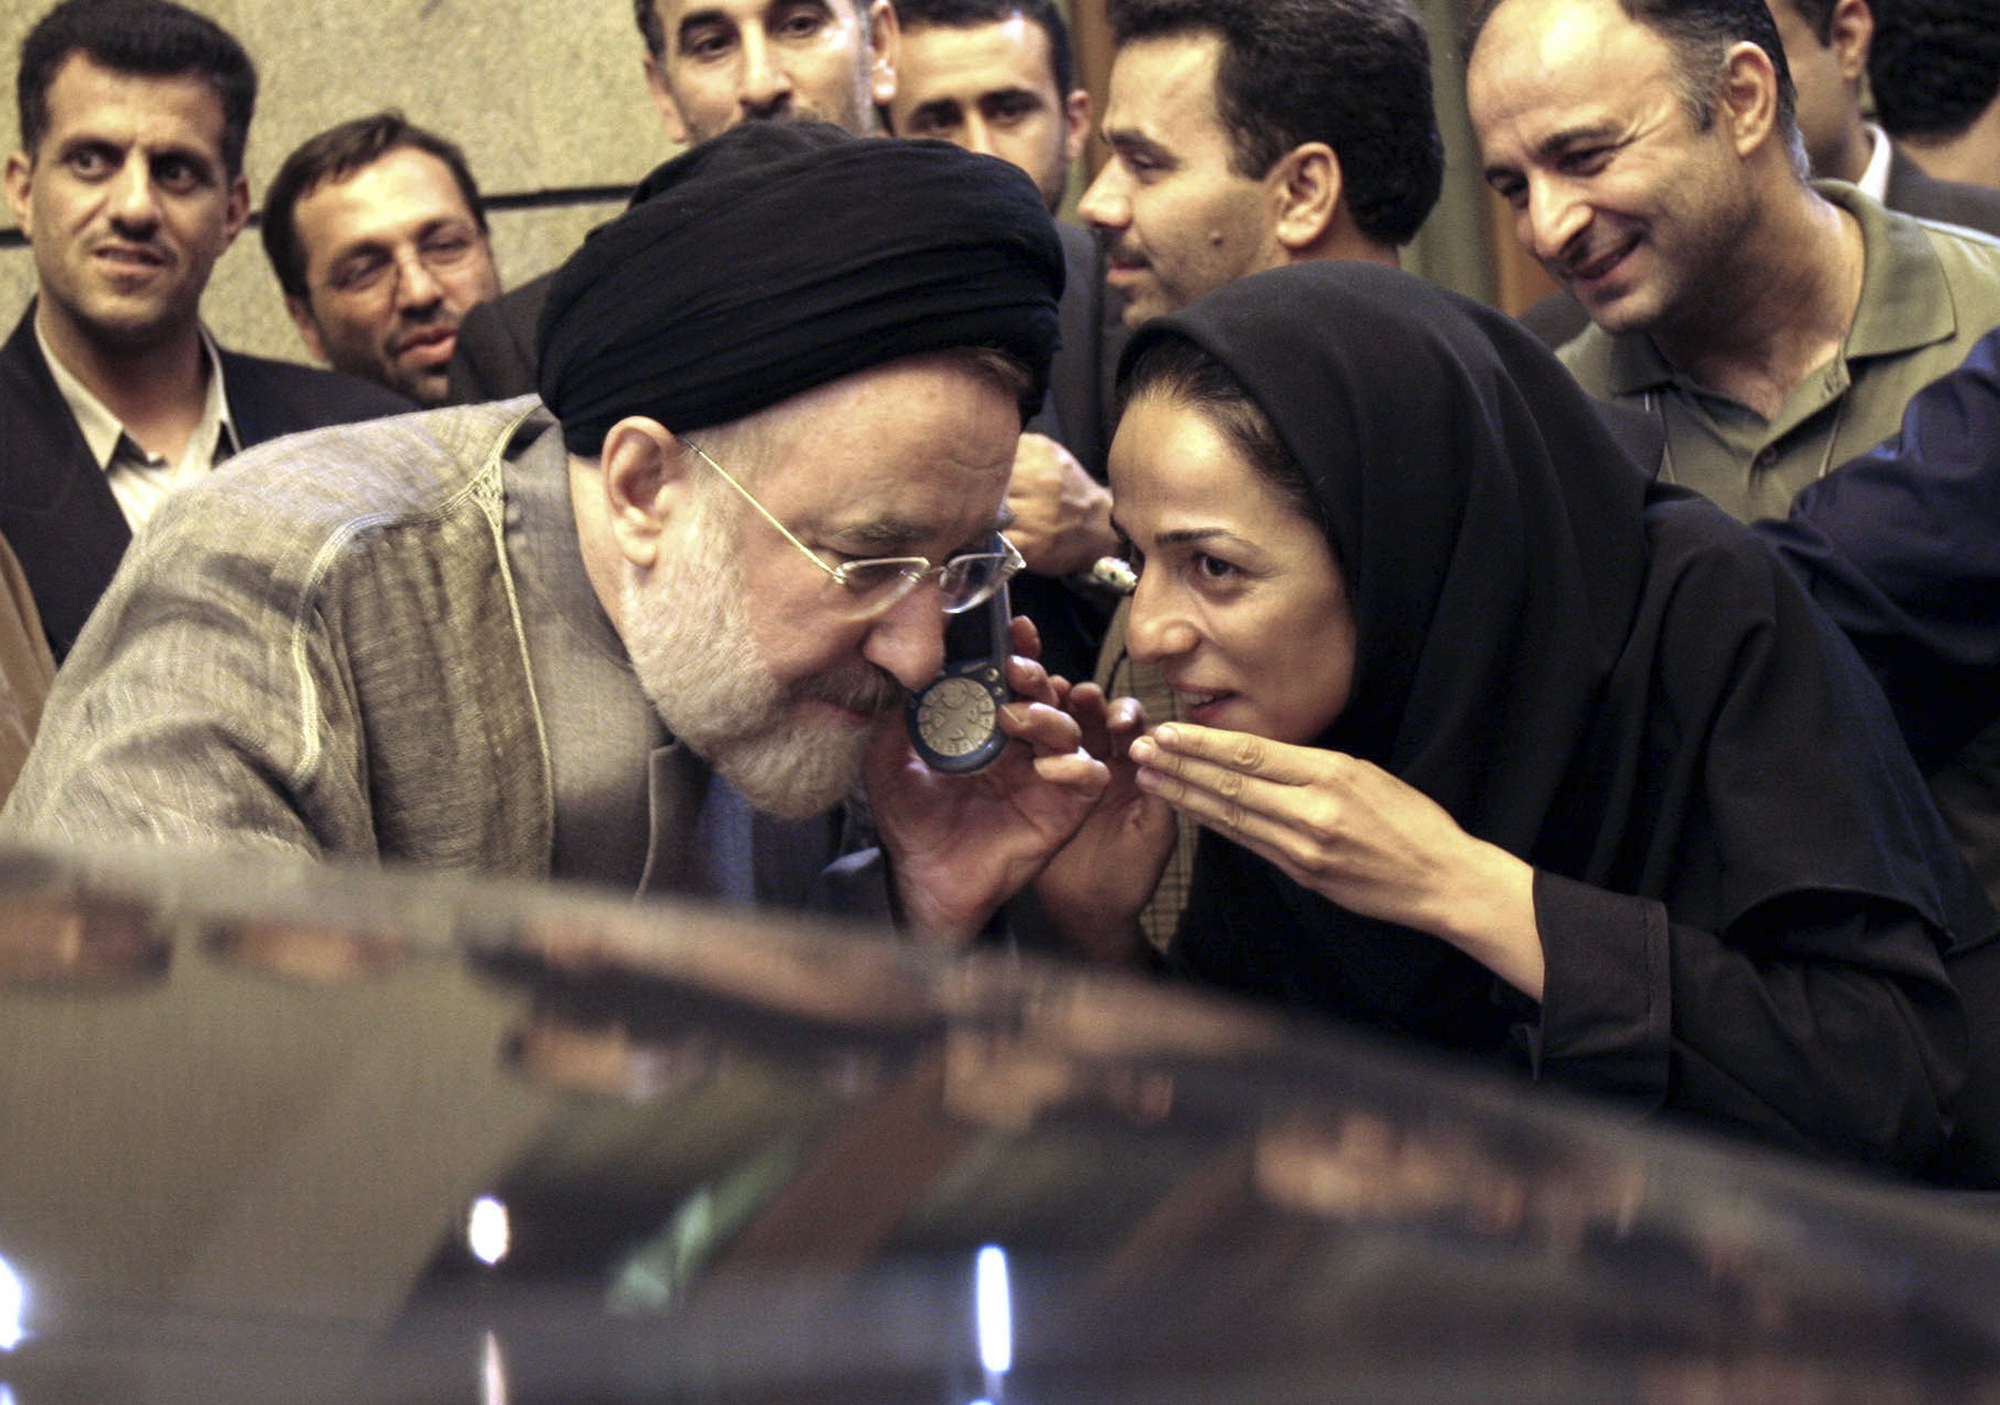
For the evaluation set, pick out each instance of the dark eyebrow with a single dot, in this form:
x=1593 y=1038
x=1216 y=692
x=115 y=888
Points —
x=936 y=108
x=1011 y=94
x=698 y=19
x=1565 y=138
x=1199 y=536
x=1554 y=145
x=1127 y=142
x=1187 y=536
x=86 y=141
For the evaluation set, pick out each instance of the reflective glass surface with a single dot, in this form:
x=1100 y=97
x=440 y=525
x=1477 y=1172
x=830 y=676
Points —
x=303 y=1135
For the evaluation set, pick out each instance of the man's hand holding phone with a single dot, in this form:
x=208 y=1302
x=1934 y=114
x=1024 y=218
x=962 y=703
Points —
x=959 y=845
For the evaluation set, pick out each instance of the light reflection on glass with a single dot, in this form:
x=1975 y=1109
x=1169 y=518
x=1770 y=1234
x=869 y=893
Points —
x=492 y=1372
x=488 y=1232
x=995 y=1313
x=13 y=1304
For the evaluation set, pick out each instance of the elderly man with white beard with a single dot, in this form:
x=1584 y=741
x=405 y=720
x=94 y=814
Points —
x=651 y=629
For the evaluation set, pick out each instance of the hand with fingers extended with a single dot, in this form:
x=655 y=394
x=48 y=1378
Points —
x=1353 y=833
x=960 y=846
x=1094 y=889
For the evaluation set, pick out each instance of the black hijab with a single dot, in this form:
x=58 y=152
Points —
x=1603 y=676
x=781 y=256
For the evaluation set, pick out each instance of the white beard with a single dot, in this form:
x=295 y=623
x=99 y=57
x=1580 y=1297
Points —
x=688 y=634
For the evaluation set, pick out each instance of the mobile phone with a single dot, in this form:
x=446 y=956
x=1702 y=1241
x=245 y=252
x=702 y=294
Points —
x=954 y=719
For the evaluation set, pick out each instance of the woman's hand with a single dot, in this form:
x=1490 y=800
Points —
x=1353 y=833
x=1094 y=889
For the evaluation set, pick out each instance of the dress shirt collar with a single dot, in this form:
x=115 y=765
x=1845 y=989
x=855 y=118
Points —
x=214 y=436
x=1875 y=180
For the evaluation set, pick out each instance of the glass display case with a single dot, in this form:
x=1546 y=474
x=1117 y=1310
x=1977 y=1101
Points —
x=275 y=1134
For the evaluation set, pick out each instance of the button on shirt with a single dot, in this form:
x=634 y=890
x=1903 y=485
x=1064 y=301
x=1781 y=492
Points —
x=138 y=480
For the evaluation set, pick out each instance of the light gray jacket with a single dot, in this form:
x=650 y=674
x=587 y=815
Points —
x=318 y=650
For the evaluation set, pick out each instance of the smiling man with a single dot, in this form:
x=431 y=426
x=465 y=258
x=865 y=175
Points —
x=645 y=631
x=1775 y=328
x=378 y=237
x=1650 y=152
x=129 y=185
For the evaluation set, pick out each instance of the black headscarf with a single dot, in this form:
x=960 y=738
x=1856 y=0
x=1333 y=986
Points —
x=1603 y=676
x=780 y=256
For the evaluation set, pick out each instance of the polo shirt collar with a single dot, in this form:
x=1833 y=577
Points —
x=1905 y=302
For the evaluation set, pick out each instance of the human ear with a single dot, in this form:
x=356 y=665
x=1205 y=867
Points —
x=1076 y=126
x=884 y=45
x=1308 y=186
x=20 y=185
x=647 y=486
x=1852 y=34
x=238 y=212
x=1749 y=94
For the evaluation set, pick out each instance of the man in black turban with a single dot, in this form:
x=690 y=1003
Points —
x=779 y=405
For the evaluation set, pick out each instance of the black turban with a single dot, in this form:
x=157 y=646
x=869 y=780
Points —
x=780 y=256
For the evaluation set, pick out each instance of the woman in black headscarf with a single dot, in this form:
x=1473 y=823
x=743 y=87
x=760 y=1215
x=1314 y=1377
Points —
x=1498 y=745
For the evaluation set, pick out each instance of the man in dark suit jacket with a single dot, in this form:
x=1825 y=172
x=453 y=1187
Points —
x=1915 y=191
x=999 y=77
x=129 y=185
x=56 y=503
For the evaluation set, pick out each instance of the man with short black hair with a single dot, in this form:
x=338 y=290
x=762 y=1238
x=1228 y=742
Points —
x=998 y=77
x=1651 y=154
x=1774 y=327
x=1935 y=74
x=378 y=237
x=1827 y=44
x=129 y=186
x=1827 y=47
x=649 y=629
x=711 y=64
x=1248 y=134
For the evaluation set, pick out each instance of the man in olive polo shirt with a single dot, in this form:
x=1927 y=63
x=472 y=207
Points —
x=1774 y=327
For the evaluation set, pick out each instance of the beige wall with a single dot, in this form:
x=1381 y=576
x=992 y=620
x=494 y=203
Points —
x=1452 y=249
x=544 y=95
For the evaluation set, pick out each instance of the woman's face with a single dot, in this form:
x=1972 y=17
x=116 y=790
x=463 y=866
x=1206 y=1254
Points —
x=1240 y=600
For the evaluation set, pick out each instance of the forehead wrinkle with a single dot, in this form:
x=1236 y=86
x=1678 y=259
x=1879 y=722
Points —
x=892 y=535
x=1560 y=141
